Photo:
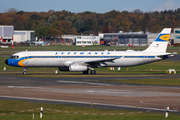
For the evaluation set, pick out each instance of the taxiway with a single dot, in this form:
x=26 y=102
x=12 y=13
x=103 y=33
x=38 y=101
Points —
x=87 y=91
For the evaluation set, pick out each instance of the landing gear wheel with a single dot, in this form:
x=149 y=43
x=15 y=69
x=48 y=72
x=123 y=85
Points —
x=24 y=73
x=93 y=72
x=85 y=72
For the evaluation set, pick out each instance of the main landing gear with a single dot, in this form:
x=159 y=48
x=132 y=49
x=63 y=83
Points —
x=93 y=72
x=86 y=72
x=24 y=72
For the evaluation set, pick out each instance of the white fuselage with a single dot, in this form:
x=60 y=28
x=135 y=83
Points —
x=65 y=58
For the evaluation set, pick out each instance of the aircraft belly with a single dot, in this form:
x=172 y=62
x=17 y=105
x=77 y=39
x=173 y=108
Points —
x=53 y=62
x=144 y=61
x=125 y=62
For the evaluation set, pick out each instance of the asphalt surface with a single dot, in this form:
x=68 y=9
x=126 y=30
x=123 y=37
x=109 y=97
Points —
x=34 y=83
x=27 y=81
x=176 y=58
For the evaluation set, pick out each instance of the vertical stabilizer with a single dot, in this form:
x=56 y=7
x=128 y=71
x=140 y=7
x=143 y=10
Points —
x=161 y=42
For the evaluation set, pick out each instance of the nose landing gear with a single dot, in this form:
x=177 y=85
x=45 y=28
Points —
x=24 y=72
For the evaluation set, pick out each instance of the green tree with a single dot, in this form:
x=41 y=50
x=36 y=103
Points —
x=42 y=32
x=51 y=19
x=61 y=17
x=65 y=27
x=35 y=17
x=145 y=22
x=20 y=12
x=89 y=25
x=77 y=22
x=18 y=22
x=113 y=14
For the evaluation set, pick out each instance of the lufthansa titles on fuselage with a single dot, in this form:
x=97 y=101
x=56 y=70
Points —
x=82 y=53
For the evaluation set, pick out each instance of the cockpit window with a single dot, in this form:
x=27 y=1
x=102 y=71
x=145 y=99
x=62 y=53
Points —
x=14 y=56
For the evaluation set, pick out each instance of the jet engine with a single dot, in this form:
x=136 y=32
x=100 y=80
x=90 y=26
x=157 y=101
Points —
x=78 y=67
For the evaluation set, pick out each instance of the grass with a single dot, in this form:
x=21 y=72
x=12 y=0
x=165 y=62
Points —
x=73 y=47
x=156 y=81
x=63 y=47
x=75 y=76
x=56 y=112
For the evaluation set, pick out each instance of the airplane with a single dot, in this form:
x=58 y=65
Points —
x=85 y=61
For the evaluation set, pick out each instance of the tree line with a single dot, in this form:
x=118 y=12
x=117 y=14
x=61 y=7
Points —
x=56 y=23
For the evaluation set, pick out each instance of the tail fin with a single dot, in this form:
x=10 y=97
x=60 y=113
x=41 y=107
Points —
x=160 y=43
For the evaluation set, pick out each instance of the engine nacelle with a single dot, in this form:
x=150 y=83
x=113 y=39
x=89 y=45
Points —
x=63 y=68
x=78 y=67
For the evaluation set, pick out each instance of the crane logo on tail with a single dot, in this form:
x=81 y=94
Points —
x=164 y=37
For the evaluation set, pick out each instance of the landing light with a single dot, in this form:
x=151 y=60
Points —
x=169 y=56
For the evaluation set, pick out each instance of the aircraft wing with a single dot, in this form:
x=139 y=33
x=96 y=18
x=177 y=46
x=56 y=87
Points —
x=99 y=61
x=91 y=62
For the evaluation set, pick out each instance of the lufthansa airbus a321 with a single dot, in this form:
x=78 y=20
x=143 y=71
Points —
x=83 y=61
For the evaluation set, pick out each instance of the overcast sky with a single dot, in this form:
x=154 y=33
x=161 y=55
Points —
x=98 y=6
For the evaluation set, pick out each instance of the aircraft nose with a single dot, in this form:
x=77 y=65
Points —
x=6 y=61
